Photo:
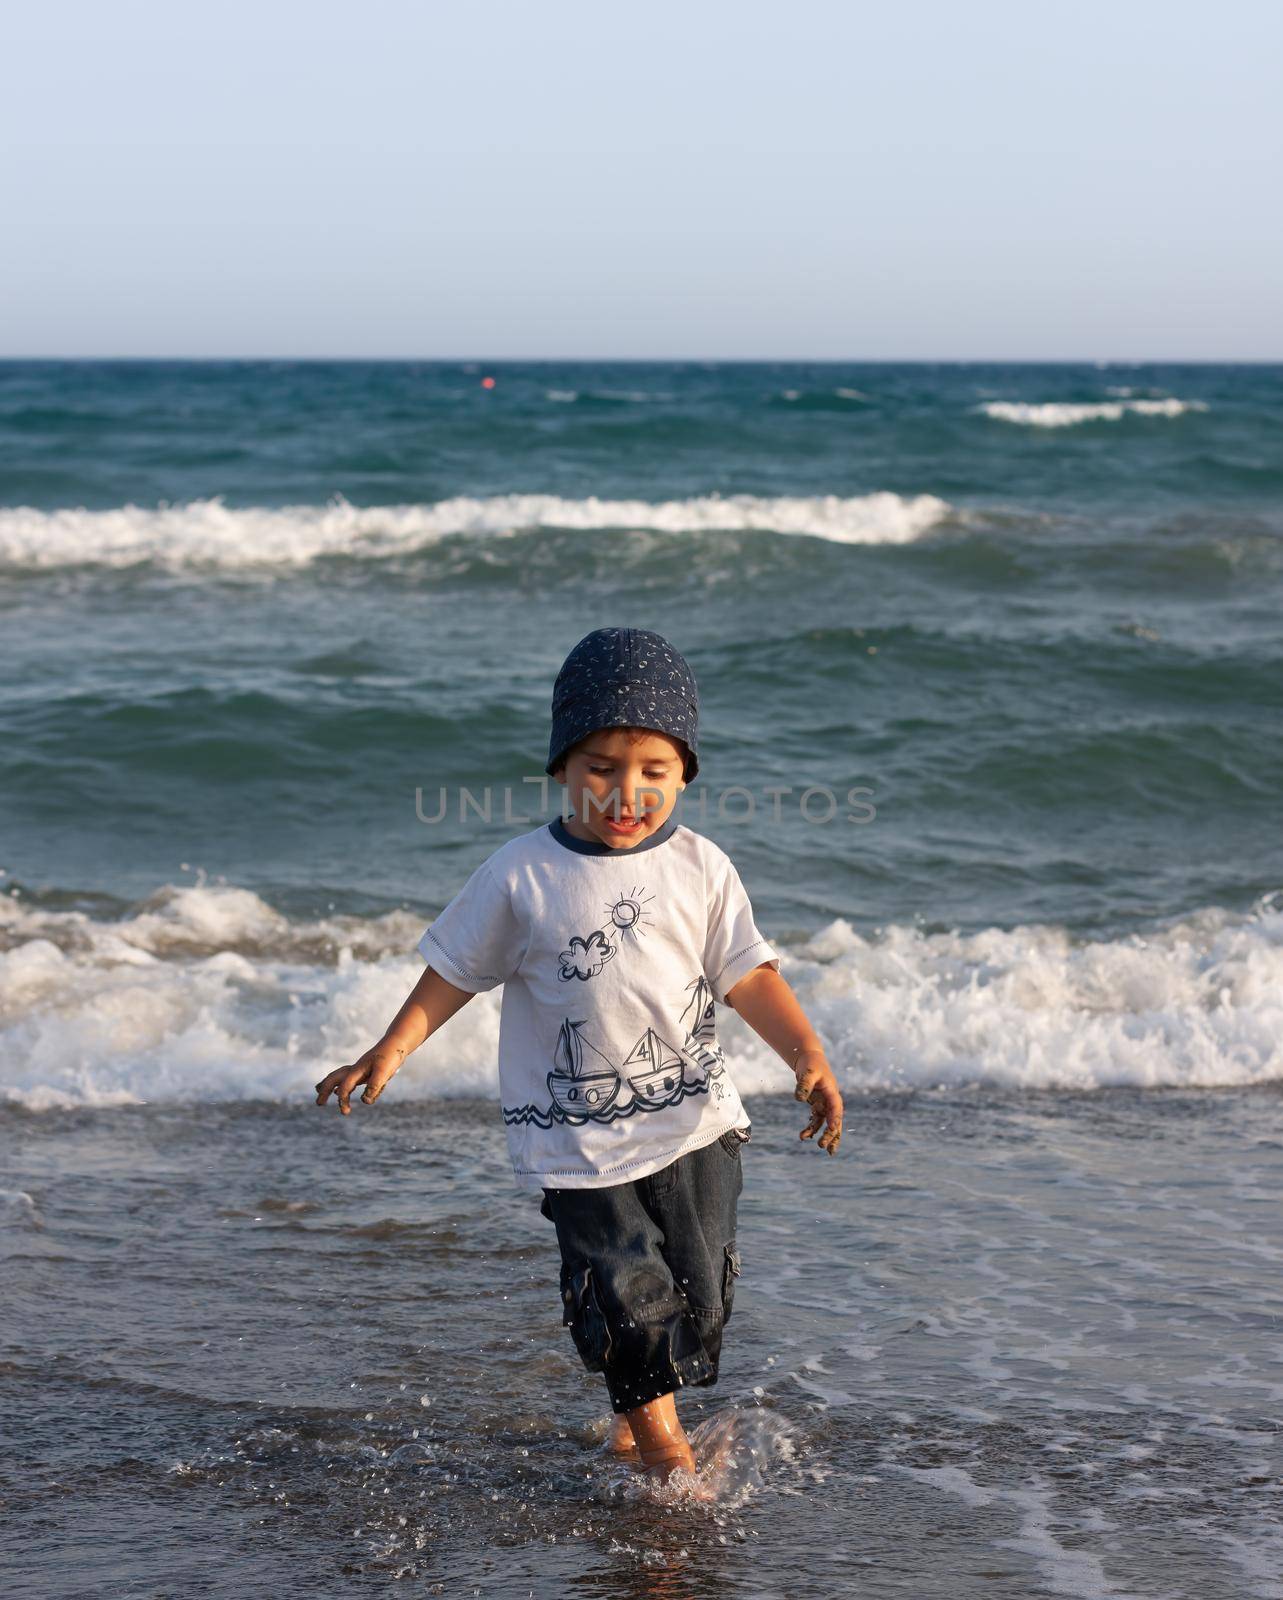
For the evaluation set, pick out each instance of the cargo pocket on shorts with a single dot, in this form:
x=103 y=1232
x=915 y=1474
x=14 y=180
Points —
x=581 y=1312
x=730 y=1271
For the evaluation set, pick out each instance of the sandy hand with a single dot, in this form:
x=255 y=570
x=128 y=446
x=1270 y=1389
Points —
x=374 y=1069
x=818 y=1087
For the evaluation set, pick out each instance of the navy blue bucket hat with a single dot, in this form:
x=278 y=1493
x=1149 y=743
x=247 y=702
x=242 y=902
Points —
x=624 y=677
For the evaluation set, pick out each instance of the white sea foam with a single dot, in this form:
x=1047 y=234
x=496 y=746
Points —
x=1068 y=1570
x=206 y=992
x=1065 y=413
x=208 y=534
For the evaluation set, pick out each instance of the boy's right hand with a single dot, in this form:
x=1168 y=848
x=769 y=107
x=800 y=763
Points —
x=374 y=1069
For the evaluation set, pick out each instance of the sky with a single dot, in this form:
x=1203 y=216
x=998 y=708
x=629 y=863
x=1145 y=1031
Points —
x=811 y=179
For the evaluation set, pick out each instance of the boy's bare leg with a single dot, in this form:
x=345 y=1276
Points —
x=660 y=1438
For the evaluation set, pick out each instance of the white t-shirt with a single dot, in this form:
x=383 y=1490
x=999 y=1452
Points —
x=611 y=961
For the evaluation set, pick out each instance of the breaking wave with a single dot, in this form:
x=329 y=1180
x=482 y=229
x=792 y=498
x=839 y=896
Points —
x=209 y=534
x=207 y=992
x=1067 y=414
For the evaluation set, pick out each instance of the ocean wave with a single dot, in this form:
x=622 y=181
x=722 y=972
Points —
x=206 y=534
x=838 y=399
x=1067 y=413
x=608 y=397
x=208 y=993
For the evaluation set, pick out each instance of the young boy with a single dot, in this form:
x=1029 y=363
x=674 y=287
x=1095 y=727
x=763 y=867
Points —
x=615 y=931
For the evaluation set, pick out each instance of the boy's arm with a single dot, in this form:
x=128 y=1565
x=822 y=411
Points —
x=431 y=1002
x=769 y=1006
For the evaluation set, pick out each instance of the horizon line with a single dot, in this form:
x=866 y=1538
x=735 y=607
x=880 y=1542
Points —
x=715 y=361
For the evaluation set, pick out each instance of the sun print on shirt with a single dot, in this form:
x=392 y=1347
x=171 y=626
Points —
x=625 y=921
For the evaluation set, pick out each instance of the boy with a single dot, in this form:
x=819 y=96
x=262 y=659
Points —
x=615 y=931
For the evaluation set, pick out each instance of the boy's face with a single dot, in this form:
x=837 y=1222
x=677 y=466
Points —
x=621 y=791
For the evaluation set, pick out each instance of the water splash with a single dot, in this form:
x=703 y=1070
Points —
x=740 y=1452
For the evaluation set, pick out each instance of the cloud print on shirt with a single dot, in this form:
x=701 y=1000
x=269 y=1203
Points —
x=586 y=957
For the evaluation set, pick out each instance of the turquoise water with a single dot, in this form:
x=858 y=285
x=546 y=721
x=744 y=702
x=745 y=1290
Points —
x=1019 y=1339
x=258 y=615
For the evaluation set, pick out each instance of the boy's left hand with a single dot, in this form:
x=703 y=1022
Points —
x=819 y=1088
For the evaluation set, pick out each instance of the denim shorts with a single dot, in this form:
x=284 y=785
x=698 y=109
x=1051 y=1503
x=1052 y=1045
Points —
x=648 y=1271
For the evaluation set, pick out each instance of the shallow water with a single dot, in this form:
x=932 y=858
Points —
x=1013 y=1344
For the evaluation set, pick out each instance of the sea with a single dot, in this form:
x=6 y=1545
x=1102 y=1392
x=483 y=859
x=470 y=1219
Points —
x=991 y=673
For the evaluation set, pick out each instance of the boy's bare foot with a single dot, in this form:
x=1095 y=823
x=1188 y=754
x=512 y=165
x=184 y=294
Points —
x=621 y=1439
x=662 y=1461
x=680 y=1469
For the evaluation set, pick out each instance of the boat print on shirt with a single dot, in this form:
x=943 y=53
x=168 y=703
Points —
x=585 y=1085
x=584 y=1082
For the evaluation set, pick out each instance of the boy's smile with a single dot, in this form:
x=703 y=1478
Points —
x=623 y=784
